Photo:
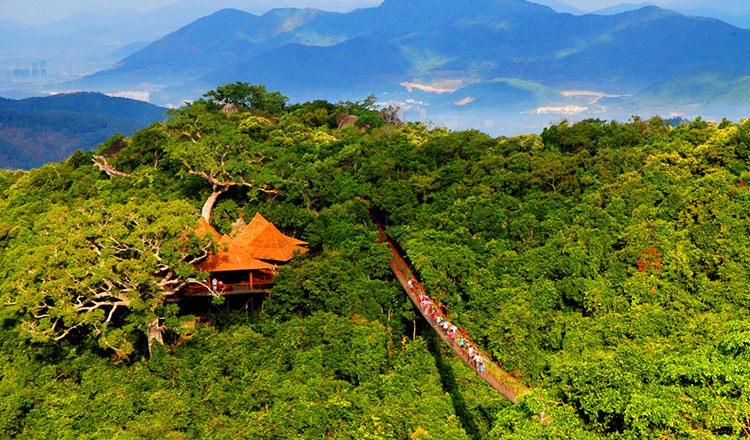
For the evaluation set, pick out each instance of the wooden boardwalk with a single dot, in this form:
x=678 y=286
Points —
x=496 y=377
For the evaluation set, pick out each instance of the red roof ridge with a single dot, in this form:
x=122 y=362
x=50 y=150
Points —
x=205 y=228
x=271 y=244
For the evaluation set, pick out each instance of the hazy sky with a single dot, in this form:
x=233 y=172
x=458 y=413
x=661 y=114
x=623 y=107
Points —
x=43 y=11
x=46 y=11
x=38 y=12
x=595 y=5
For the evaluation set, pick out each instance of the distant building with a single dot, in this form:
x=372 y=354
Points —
x=21 y=74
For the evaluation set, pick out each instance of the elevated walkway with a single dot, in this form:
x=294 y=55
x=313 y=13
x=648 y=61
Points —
x=506 y=384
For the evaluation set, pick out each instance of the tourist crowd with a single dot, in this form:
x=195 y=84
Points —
x=449 y=328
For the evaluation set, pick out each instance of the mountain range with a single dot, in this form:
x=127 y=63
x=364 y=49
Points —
x=503 y=48
x=99 y=36
x=731 y=13
x=446 y=56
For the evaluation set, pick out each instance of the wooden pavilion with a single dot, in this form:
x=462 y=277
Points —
x=248 y=262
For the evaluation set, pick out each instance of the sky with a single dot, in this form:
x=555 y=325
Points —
x=45 y=11
x=593 y=5
x=39 y=12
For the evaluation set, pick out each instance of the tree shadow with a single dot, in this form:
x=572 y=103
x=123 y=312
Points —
x=448 y=380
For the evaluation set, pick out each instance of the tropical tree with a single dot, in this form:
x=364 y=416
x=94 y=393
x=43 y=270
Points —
x=248 y=95
x=211 y=147
x=104 y=269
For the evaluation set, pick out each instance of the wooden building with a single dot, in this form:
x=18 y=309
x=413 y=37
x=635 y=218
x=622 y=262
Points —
x=247 y=262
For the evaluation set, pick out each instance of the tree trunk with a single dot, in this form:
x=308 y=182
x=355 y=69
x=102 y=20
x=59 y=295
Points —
x=153 y=332
x=208 y=207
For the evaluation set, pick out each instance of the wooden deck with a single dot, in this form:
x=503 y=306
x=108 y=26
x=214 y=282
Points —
x=228 y=289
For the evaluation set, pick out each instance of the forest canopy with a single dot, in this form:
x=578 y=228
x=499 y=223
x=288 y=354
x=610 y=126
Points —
x=604 y=262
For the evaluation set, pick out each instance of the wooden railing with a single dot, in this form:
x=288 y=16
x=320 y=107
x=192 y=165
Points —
x=228 y=289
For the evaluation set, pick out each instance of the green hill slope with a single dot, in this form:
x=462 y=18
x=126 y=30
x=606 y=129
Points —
x=716 y=85
x=509 y=94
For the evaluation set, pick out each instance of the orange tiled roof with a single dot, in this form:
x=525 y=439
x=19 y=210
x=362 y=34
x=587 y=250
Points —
x=260 y=240
x=294 y=240
x=233 y=259
x=204 y=228
x=255 y=227
x=271 y=244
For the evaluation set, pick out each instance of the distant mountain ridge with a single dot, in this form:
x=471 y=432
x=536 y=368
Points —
x=308 y=53
x=95 y=36
x=36 y=131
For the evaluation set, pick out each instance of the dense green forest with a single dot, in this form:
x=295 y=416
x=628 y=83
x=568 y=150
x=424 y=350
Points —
x=605 y=262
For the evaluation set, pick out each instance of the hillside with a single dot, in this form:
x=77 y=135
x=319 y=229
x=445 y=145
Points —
x=36 y=131
x=603 y=263
x=714 y=85
x=465 y=41
x=502 y=92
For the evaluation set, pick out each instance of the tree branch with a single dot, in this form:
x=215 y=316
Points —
x=101 y=163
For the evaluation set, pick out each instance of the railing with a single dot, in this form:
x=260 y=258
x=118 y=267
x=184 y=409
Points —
x=228 y=289
x=508 y=385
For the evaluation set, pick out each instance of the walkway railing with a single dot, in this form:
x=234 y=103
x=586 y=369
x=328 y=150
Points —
x=508 y=385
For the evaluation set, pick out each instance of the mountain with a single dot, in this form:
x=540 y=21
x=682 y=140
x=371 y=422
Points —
x=561 y=7
x=36 y=131
x=619 y=9
x=714 y=84
x=502 y=92
x=732 y=7
x=84 y=41
x=361 y=65
x=216 y=40
x=741 y=21
x=729 y=14
x=306 y=52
